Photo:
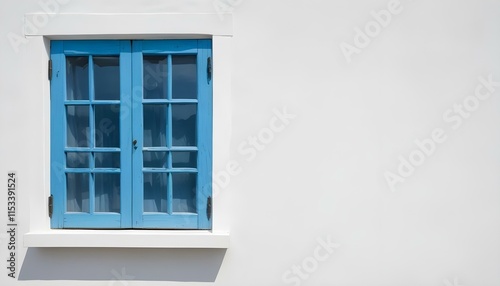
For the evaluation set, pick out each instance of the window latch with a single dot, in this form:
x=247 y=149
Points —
x=209 y=207
x=51 y=205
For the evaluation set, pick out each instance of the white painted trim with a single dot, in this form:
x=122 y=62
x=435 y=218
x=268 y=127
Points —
x=222 y=128
x=130 y=26
x=127 y=239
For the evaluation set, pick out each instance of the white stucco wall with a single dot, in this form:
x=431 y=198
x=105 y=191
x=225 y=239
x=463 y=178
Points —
x=323 y=176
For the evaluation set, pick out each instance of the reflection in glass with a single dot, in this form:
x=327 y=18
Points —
x=77 y=159
x=155 y=77
x=77 y=118
x=107 y=125
x=77 y=78
x=155 y=159
x=184 y=124
x=107 y=78
x=77 y=196
x=184 y=192
x=107 y=192
x=184 y=159
x=155 y=120
x=155 y=192
x=107 y=160
x=184 y=78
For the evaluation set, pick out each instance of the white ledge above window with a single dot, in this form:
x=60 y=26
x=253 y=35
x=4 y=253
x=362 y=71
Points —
x=127 y=239
x=127 y=25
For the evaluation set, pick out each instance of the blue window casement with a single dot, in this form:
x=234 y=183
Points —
x=131 y=134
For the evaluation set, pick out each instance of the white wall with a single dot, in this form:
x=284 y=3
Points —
x=324 y=174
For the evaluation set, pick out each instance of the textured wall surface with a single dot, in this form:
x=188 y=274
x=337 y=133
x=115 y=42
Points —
x=367 y=135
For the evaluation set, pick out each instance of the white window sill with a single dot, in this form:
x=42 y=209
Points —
x=127 y=239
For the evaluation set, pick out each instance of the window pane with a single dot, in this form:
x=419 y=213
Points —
x=107 y=192
x=155 y=77
x=77 y=188
x=155 y=192
x=107 y=125
x=155 y=125
x=77 y=160
x=184 y=84
x=155 y=159
x=77 y=118
x=184 y=124
x=107 y=78
x=184 y=192
x=77 y=78
x=184 y=159
x=107 y=160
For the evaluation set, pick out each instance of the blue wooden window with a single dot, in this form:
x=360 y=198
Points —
x=131 y=134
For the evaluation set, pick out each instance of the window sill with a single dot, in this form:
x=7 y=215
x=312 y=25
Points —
x=127 y=239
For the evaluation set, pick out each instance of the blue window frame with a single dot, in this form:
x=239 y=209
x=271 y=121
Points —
x=131 y=134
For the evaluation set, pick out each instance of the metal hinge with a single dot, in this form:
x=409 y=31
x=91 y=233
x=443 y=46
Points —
x=51 y=205
x=50 y=69
x=209 y=207
x=209 y=68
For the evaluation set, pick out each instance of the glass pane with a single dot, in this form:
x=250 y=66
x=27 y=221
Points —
x=155 y=125
x=184 y=193
x=184 y=159
x=77 y=118
x=107 y=78
x=155 y=77
x=77 y=188
x=77 y=160
x=107 y=192
x=107 y=125
x=155 y=159
x=77 y=78
x=184 y=84
x=155 y=192
x=107 y=160
x=184 y=125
